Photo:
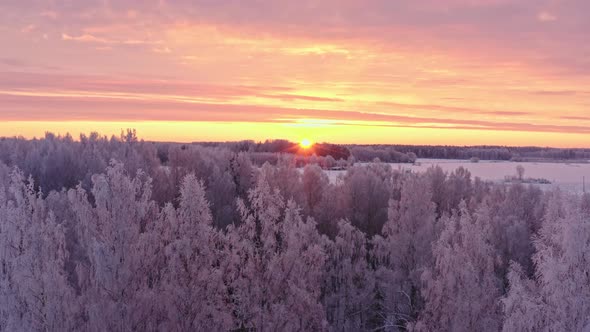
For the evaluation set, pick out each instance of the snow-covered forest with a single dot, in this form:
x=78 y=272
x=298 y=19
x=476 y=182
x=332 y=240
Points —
x=118 y=234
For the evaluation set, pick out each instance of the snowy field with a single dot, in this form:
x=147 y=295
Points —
x=568 y=176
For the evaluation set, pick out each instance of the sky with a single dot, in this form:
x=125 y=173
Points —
x=459 y=72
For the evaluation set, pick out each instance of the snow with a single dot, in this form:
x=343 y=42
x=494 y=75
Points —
x=568 y=176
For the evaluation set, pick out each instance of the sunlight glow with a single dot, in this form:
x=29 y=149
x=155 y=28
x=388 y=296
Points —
x=305 y=143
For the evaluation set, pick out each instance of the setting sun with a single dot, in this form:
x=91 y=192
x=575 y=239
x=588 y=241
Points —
x=305 y=143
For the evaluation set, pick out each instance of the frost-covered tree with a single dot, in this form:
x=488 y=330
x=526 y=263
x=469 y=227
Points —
x=349 y=282
x=437 y=178
x=4 y=176
x=278 y=259
x=560 y=290
x=242 y=172
x=34 y=291
x=459 y=188
x=524 y=309
x=116 y=281
x=368 y=190
x=285 y=177
x=222 y=196
x=405 y=250
x=221 y=249
x=585 y=204
x=520 y=172
x=194 y=287
x=516 y=212
x=461 y=290
x=331 y=209
x=315 y=182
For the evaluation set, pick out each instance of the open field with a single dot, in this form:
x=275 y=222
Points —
x=567 y=176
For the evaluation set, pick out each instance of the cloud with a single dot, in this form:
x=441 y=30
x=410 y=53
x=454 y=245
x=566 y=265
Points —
x=20 y=64
x=576 y=118
x=454 y=109
x=546 y=17
x=402 y=63
x=12 y=62
x=103 y=98
x=141 y=88
x=558 y=92
x=28 y=28
x=164 y=50
x=89 y=38
x=290 y=97
x=69 y=108
x=86 y=38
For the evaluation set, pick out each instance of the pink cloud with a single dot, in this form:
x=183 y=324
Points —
x=44 y=108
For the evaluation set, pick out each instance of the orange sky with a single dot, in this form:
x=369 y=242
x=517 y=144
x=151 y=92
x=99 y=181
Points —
x=462 y=72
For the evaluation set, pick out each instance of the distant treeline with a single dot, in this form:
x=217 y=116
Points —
x=492 y=152
x=284 y=146
x=362 y=153
x=266 y=152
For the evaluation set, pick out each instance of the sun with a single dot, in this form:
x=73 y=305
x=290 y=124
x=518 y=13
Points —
x=305 y=143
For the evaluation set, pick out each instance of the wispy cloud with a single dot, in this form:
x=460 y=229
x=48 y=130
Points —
x=88 y=38
x=546 y=17
x=64 y=107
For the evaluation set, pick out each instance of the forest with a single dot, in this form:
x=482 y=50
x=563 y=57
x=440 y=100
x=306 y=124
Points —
x=120 y=234
x=513 y=153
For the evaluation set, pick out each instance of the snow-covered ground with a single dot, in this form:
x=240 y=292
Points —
x=568 y=176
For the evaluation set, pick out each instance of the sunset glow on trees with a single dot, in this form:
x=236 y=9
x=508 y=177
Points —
x=279 y=165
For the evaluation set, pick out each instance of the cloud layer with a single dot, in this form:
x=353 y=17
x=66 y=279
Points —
x=493 y=65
